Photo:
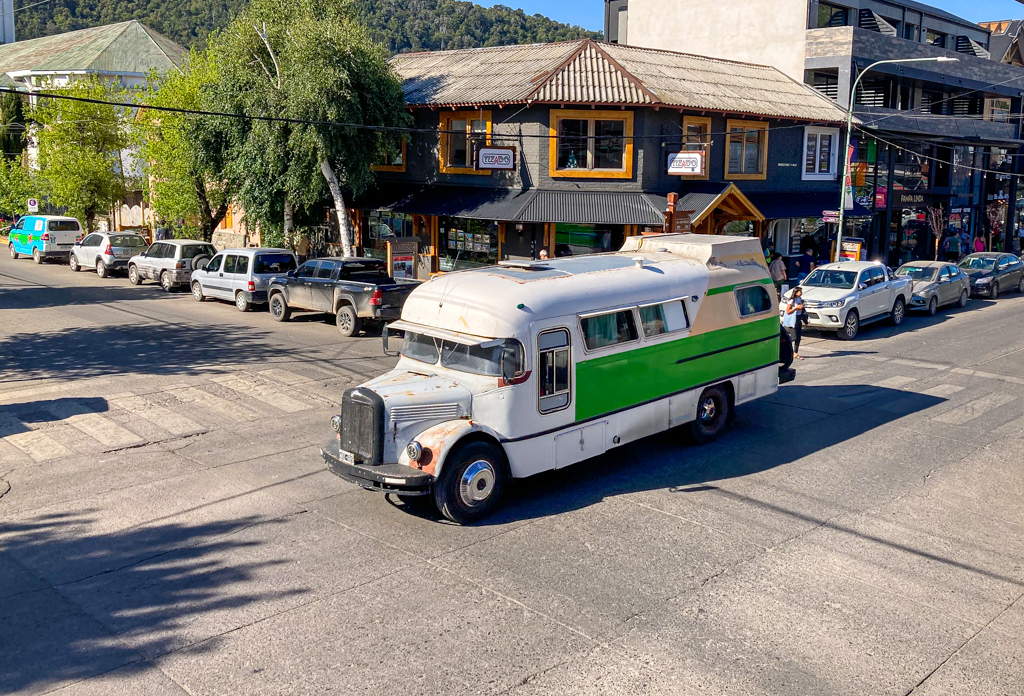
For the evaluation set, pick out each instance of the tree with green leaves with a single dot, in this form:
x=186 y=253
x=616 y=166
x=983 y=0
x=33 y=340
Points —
x=309 y=61
x=12 y=125
x=82 y=159
x=17 y=185
x=184 y=155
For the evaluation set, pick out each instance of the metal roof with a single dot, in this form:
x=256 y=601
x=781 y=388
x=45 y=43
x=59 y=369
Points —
x=593 y=73
x=125 y=48
x=593 y=207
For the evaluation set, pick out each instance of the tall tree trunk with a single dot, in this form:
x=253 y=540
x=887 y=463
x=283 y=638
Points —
x=289 y=210
x=344 y=223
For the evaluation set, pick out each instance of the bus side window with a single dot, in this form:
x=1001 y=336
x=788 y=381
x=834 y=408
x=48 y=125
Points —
x=553 y=369
x=753 y=300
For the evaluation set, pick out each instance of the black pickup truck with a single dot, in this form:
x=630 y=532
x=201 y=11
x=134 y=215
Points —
x=353 y=289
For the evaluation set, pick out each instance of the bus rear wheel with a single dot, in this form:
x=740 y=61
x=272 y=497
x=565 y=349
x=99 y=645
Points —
x=712 y=415
x=471 y=483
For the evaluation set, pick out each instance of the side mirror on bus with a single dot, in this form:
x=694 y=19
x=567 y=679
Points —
x=388 y=338
x=508 y=363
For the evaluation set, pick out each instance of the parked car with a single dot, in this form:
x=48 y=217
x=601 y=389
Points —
x=355 y=290
x=44 y=237
x=171 y=262
x=935 y=284
x=841 y=296
x=992 y=272
x=105 y=251
x=241 y=275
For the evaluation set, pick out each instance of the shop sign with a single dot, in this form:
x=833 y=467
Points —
x=402 y=254
x=905 y=199
x=881 y=197
x=830 y=218
x=687 y=163
x=851 y=249
x=495 y=158
x=683 y=222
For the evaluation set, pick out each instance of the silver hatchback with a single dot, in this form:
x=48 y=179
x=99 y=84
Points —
x=105 y=251
x=170 y=262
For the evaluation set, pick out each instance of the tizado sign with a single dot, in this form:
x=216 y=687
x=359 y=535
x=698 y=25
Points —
x=496 y=158
x=686 y=163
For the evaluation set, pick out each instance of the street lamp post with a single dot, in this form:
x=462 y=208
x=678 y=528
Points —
x=849 y=129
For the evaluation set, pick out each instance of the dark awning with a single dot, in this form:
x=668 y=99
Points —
x=778 y=206
x=474 y=202
x=383 y=196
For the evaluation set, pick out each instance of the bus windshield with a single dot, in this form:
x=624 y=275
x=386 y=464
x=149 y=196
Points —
x=830 y=278
x=481 y=359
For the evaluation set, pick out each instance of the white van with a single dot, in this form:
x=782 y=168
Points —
x=510 y=370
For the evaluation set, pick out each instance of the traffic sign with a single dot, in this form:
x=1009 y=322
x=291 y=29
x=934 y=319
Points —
x=830 y=213
x=830 y=218
x=33 y=205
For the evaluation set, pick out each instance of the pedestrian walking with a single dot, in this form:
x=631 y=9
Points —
x=979 y=244
x=951 y=247
x=792 y=319
x=777 y=270
x=302 y=249
x=1020 y=237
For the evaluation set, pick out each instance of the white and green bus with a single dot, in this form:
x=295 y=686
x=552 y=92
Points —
x=510 y=370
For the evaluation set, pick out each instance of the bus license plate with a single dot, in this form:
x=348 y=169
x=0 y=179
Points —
x=348 y=457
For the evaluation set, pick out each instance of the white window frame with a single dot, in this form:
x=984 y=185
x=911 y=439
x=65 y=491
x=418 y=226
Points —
x=833 y=172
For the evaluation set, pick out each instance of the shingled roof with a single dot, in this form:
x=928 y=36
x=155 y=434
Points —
x=594 y=73
x=122 y=48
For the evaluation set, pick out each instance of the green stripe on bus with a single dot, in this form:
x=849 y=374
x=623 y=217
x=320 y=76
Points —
x=730 y=288
x=614 y=382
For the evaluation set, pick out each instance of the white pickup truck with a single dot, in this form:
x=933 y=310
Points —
x=841 y=296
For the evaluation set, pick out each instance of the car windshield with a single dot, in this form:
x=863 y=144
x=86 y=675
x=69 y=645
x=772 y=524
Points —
x=274 y=263
x=127 y=240
x=917 y=272
x=63 y=226
x=481 y=359
x=190 y=251
x=977 y=263
x=830 y=278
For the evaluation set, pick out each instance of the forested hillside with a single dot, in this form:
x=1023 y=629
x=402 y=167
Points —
x=402 y=25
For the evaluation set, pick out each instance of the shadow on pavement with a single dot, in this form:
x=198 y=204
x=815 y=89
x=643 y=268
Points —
x=112 y=597
x=46 y=411
x=152 y=349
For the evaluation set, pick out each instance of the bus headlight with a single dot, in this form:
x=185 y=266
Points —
x=414 y=450
x=336 y=424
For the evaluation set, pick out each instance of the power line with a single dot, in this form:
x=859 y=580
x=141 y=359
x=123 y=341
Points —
x=936 y=159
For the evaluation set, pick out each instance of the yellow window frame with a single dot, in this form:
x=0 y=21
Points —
x=391 y=167
x=747 y=126
x=445 y=126
x=627 y=151
x=704 y=121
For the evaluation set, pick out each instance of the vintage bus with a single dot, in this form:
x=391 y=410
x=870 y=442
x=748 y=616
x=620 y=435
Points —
x=510 y=370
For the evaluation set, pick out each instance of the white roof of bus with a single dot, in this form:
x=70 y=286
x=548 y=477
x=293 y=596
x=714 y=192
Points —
x=486 y=301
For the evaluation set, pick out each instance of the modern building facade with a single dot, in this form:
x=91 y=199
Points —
x=599 y=135
x=931 y=135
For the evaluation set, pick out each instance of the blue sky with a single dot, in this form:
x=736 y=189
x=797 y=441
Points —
x=590 y=13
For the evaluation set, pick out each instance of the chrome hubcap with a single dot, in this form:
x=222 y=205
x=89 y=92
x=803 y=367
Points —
x=708 y=410
x=239 y=301
x=197 y=291
x=477 y=483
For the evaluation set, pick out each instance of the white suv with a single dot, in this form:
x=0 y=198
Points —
x=170 y=261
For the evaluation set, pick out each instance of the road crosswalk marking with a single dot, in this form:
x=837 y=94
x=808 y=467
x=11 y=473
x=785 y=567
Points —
x=896 y=382
x=256 y=389
x=38 y=445
x=307 y=386
x=974 y=409
x=164 y=418
x=838 y=377
x=100 y=428
x=943 y=390
x=228 y=409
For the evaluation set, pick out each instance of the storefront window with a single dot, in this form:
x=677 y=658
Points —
x=913 y=234
x=467 y=243
x=382 y=224
x=913 y=167
x=578 y=240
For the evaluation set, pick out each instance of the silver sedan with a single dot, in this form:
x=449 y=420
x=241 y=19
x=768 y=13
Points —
x=936 y=283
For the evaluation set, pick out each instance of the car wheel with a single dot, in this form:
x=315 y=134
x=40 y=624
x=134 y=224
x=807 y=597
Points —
x=73 y=263
x=850 y=327
x=133 y=275
x=36 y=256
x=471 y=483
x=994 y=294
x=101 y=268
x=1020 y=284
x=712 y=415
x=899 y=311
x=347 y=321
x=279 y=309
x=14 y=254
x=933 y=306
x=165 y=282
x=964 y=296
x=241 y=303
x=197 y=292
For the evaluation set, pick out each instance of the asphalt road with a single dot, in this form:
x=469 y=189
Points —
x=169 y=528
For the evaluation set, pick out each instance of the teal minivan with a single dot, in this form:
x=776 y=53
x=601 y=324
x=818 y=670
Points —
x=44 y=237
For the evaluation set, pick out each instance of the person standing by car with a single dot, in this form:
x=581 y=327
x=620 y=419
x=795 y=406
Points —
x=805 y=264
x=979 y=244
x=792 y=319
x=302 y=248
x=777 y=270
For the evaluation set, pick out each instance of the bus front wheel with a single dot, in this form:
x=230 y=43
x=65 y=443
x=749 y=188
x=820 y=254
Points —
x=712 y=415
x=471 y=483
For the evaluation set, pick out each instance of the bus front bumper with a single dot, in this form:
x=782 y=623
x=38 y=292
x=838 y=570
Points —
x=387 y=478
